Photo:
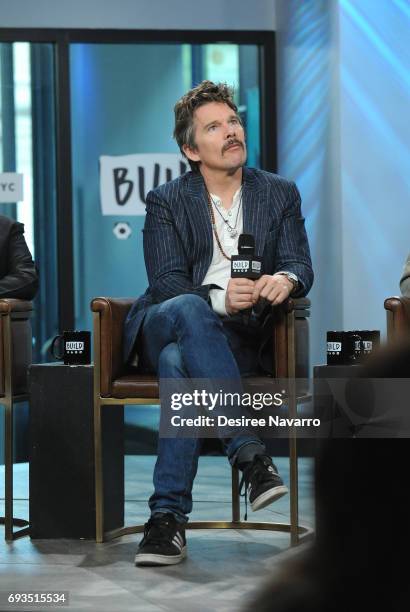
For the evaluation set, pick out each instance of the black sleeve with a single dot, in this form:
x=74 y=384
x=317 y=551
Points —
x=21 y=279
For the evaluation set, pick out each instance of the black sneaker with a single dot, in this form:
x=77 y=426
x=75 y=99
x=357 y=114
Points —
x=163 y=542
x=262 y=481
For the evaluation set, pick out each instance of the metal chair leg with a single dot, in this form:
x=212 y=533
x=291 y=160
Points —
x=8 y=404
x=8 y=469
x=98 y=458
x=99 y=499
x=292 y=409
x=235 y=496
x=294 y=501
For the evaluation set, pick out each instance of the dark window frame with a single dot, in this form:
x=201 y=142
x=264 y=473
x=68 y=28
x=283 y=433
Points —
x=62 y=38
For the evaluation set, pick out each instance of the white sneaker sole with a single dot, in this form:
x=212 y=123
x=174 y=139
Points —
x=268 y=497
x=152 y=559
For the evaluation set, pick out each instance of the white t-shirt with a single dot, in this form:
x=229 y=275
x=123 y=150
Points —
x=219 y=272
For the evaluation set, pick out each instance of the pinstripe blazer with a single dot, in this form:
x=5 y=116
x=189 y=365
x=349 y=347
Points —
x=178 y=241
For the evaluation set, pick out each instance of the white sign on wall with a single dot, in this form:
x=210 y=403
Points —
x=11 y=187
x=125 y=180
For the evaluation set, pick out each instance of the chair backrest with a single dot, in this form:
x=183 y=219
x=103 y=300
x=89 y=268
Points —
x=109 y=318
x=15 y=344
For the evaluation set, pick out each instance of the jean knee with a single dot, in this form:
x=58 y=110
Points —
x=190 y=307
x=189 y=300
x=170 y=361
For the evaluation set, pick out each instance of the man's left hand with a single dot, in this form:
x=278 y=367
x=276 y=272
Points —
x=275 y=288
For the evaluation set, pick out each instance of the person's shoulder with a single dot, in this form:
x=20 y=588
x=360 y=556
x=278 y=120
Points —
x=265 y=177
x=172 y=188
x=5 y=222
x=8 y=226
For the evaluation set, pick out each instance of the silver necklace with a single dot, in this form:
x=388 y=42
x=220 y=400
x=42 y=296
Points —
x=231 y=228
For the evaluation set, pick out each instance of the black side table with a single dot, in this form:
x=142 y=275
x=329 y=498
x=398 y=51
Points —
x=62 y=498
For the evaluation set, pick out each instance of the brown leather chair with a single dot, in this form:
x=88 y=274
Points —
x=15 y=357
x=398 y=317
x=115 y=385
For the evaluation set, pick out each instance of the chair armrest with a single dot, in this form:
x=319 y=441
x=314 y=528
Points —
x=15 y=314
x=108 y=332
x=9 y=305
x=398 y=316
x=301 y=306
x=291 y=339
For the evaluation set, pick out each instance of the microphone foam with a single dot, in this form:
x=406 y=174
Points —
x=246 y=244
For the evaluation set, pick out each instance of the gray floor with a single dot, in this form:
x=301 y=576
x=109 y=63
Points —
x=223 y=570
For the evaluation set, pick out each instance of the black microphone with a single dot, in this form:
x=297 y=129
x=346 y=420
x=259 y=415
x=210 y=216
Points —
x=246 y=264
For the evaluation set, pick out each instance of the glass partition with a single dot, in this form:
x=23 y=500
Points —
x=27 y=148
x=122 y=99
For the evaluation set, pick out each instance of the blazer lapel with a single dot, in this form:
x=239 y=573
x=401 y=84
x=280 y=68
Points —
x=196 y=207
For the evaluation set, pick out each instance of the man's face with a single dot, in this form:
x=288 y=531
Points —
x=219 y=138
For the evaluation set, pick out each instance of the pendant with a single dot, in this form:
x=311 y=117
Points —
x=232 y=232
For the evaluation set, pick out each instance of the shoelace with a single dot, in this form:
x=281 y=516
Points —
x=260 y=476
x=157 y=529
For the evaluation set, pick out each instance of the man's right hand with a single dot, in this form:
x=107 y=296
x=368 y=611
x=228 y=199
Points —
x=239 y=295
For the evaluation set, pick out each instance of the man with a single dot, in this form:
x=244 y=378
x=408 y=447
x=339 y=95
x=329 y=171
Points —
x=18 y=275
x=189 y=323
x=405 y=279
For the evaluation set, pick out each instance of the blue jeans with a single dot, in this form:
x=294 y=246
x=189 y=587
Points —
x=183 y=337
